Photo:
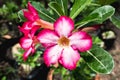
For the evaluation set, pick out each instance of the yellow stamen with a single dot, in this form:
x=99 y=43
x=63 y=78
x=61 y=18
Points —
x=63 y=41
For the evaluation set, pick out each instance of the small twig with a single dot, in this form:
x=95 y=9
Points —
x=97 y=77
x=50 y=73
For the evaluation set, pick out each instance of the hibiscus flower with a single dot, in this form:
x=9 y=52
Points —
x=62 y=45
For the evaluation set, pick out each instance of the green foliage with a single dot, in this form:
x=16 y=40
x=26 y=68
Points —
x=105 y=12
x=97 y=40
x=21 y=17
x=64 y=5
x=44 y=13
x=4 y=78
x=56 y=7
x=99 y=15
x=99 y=60
x=82 y=72
x=8 y=11
x=78 y=6
x=115 y=19
x=105 y=2
x=31 y=61
x=6 y=70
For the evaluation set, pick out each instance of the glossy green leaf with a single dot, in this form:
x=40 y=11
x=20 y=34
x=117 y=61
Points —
x=99 y=60
x=116 y=20
x=64 y=5
x=78 y=6
x=105 y=2
x=56 y=7
x=44 y=13
x=105 y=12
x=87 y=19
x=99 y=15
x=20 y=15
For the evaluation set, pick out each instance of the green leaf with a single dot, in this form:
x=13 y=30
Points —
x=4 y=78
x=105 y=12
x=105 y=2
x=78 y=6
x=56 y=7
x=99 y=60
x=89 y=18
x=99 y=15
x=44 y=13
x=116 y=20
x=20 y=15
x=64 y=5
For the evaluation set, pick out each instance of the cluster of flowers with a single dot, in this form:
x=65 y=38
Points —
x=61 y=44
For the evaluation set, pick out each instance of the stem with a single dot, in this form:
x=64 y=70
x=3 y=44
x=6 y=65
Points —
x=50 y=74
x=45 y=24
x=97 y=77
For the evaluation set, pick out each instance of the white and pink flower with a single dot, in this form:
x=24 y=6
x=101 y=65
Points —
x=33 y=18
x=28 y=42
x=29 y=28
x=62 y=45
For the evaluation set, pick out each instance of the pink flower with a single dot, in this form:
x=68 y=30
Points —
x=33 y=18
x=29 y=28
x=31 y=14
x=29 y=39
x=62 y=45
x=28 y=42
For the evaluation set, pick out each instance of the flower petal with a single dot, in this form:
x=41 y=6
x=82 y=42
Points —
x=26 y=27
x=27 y=53
x=32 y=9
x=47 y=37
x=30 y=16
x=33 y=30
x=81 y=40
x=25 y=42
x=29 y=27
x=69 y=58
x=52 y=54
x=25 y=32
x=63 y=26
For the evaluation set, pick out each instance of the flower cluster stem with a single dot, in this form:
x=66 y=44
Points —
x=50 y=74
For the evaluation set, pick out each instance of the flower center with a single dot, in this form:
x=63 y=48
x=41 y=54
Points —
x=63 y=41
